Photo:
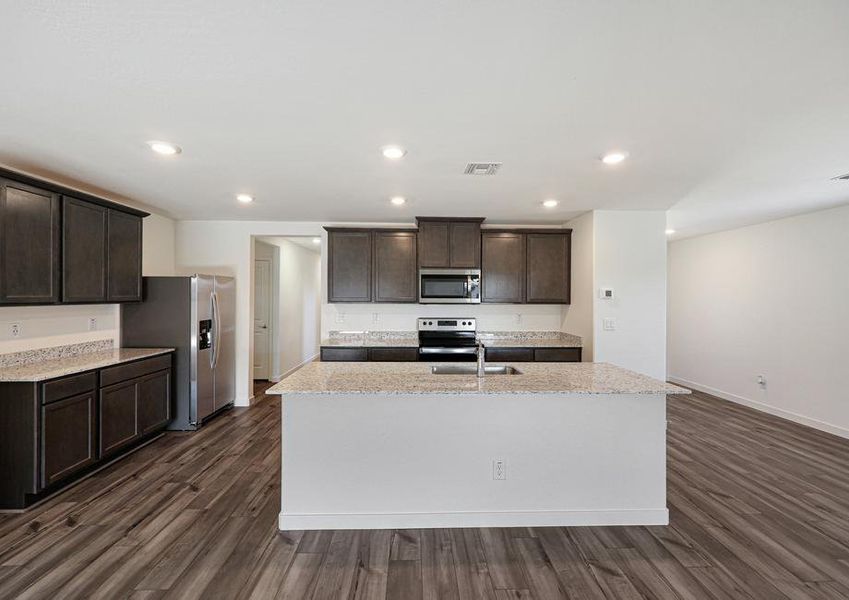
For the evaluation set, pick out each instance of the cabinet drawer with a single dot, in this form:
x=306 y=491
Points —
x=510 y=354
x=558 y=354
x=393 y=354
x=132 y=370
x=344 y=354
x=68 y=386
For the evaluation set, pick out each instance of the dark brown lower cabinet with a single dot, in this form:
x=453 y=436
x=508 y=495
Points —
x=132 y=409
x=393 y=354
x=67 y=437
x=557 y=355
x=380 y=354
x=344 y=354
x=510 y=354
x=55 y=431
x=533 y=354
x=118 y=416
x=154 y=402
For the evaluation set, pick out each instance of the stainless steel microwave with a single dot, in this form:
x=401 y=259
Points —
x=449 y=286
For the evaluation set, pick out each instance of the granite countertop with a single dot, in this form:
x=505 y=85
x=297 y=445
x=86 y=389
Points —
x=368 y=341
x=492 y=339
x=416 y=378
x=530 y=339
x=75 y=363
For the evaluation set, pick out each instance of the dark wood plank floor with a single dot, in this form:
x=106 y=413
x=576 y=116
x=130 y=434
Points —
x=759 y=510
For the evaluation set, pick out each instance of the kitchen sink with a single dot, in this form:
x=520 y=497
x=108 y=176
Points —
x=472 y=370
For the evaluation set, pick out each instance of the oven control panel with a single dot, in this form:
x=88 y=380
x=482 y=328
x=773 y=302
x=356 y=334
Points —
x=442 y=324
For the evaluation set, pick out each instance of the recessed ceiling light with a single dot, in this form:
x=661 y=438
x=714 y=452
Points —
x=398 y=200
x=670 y=231
x=244 y=198
x=164 y=148
x=316 y=240
x=551 y=203
x=394 y=152
x=614 y=158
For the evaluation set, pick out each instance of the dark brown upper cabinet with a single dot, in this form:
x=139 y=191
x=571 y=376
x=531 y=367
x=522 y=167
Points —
x=395 y=275
x=449 y=242
x=349 y=265
x=124 y=257
x=83 y=251
x=101 y=253
x=503 y=267
x=548 y=268
x=29 y=244
x=61 y=245
x=530 y=266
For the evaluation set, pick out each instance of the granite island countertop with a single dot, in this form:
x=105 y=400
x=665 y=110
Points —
x=75 y=363
x=416 y=378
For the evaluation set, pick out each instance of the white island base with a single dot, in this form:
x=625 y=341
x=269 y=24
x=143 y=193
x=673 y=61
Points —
x=417 y=460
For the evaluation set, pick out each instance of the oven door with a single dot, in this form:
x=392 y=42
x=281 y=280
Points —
x=449 y=286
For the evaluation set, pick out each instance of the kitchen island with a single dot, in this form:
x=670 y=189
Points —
x=394 y=445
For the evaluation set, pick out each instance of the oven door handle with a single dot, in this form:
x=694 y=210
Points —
x=447 y=350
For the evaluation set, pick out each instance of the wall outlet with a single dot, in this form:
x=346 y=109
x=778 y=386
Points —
x=762 y=381
x=499 y=469
x=609 y=324
x=340 y=317
x=92 y=324
x=518 y=318
x=375 y=317
x=15 y=330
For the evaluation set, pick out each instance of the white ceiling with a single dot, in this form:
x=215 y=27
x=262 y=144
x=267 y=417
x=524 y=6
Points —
x=733 y=112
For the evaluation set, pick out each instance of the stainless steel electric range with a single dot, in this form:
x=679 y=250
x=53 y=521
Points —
x=443 y=339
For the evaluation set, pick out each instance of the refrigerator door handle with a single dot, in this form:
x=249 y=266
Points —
x=216 y=324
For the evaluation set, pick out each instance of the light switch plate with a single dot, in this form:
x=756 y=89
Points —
x=609 y=324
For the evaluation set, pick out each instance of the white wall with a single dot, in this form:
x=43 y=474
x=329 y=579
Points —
x=297 y=322
x=771 y=299
x=578 y=316
x=630 y=257
x=159 y=245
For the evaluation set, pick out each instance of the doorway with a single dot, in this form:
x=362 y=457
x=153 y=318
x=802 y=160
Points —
x=287 y=304
x=265 y=259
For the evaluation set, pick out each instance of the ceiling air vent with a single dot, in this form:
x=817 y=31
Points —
x=480 y=168
x=842 y=177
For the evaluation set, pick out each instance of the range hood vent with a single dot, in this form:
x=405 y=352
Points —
x=482 y=168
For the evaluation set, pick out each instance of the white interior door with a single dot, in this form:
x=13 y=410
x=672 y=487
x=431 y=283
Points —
x=262 y=318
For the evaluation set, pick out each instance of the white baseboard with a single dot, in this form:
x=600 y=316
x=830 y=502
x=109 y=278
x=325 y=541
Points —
x=763 y=407
x=277 y=378
x=547 y=518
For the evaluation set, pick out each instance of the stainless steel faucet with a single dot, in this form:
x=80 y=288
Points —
x=481 y=352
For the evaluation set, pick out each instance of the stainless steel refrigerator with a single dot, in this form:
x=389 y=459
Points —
x=197 y=316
